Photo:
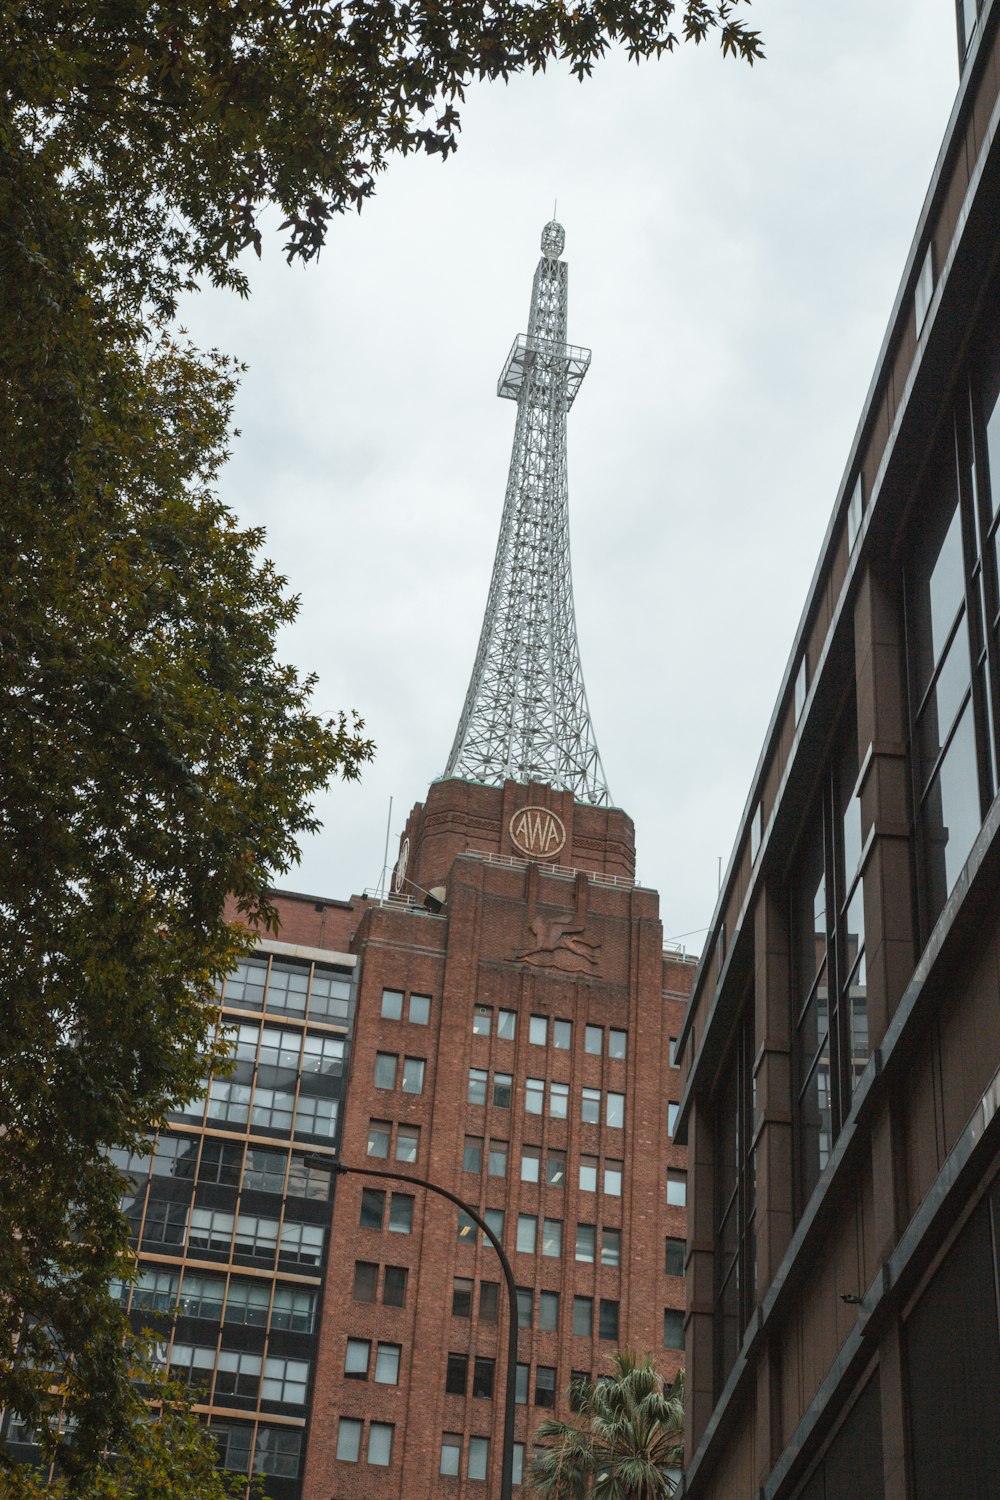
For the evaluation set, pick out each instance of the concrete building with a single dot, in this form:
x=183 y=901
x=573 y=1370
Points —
x=840 y=1055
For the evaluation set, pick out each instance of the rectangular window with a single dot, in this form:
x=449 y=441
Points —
x=674 y=1258
x=301 y=1244
x=277 y=1452
x=673 y=1052
x=467 y=1229
x=247 y=1302
x=527 y=1232
x=583 y=1316
x=380 y=1444
x=611 y=1247
x=292 y=1309
x=677 y=1189
x=552 y=1238
x=534 y=1096
x=756 y=832
x=555 y=1168
x=220 y=1162
x=673 y=1110
x=531 y=1158
x=479 y=1458
x=615 y=1112
x=387 y=1364
x=461 y=1297
x=482 y=1378
x=924 y=290
x=394 y=1286
x=379 y=1132
x=494 y=1217
x=502 y=1088
x=285 y=1380
x=356 y=1359
x=456 y=1378
x=588 y=1174
x=407 y=1143
x=593 y=1040
x=385 y=1070
x=419 y=1010
x=517 y=1464
x=349 y=1440
x=545 y=1385
x=476 y=1092
x=482 y=1020
x=613 y=1178
x=472 y=1154
x=400 y=1213
x=202 y=1297
x=538 y=1031
x=506 y=1025
x=525 y=1303
x=562 y=1035
x=238 y=1374
x=489 y=1300
x=497 y=1165
x=591 y=1107
x=558 y=1101
x=392 y=1005
x=264 y=1171
x=617 y=1041
x=451 y=1453
x=413 y=1075
x=802 y=679
x=673 y=1329
x=521 y=1385
x=548 y=1311
x=307 y=1182
x=586 y=1242
x=608 y=1320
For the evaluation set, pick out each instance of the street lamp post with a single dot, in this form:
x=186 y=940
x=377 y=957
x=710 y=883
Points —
x=338 y=1169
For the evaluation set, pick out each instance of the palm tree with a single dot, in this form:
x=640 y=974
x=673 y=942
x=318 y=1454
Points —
x=627 y=1432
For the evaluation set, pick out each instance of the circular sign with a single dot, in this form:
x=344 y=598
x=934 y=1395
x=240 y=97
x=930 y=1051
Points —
x=537 y=832
x=399 y=873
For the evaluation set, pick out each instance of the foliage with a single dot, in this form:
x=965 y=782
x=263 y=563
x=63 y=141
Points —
x=626 y=1432
x=157 y=757
x=166 y=1453
x=169 y=126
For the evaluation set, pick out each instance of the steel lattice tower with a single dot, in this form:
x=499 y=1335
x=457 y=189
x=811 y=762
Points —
x=526 y=715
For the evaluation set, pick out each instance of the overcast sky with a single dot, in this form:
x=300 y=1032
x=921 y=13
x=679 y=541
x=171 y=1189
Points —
x=735 y=238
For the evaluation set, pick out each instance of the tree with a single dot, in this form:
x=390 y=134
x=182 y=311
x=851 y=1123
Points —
x=170 y=126
x=626 y=1433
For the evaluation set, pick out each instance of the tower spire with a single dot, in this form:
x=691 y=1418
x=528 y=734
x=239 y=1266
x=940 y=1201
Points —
x=526 y=715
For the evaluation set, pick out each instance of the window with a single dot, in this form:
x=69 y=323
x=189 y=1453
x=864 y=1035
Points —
x=461 y=1297
x=608 y=1320
x=356 y=1359
x=387 y=1364
x=233 y=1443
x=506 y=1025
x=525 y=1305
x=323 y=1055
x=273 y=1109
x=451 y=1453
x=221 y=1162
x=586 y=1242
x=476 y=1093
x=286 y=990
x=237 y=1374
x=247 y=1302
x=245 y=986
x=613 y=1178
x=264 y=1171
x=292 y=1308
x=555 y=1169
x=379 y=1132
x=211 y=1229
x=583 y=1316
x=611 y=1247
x=673 y=1052
x=502 y=1088
x=157 y=1290
x=530 y=1163
x=545 y=1385
x=392 y=1005
x=365 y=1281
x=482 y=1020
x=380 y=1444
x=552 y=1237
x=407 y=1142
x=394 y=1286
x=538 y=1031
x=756 y=831
x=855 y=515
x=968 y=17
x=479 y=1458
x=588 y=1174
x=482 y=1378
x=400 y=1213
x=615 y=1111
x=534 y=1096
x=349 y=1440
x=419 y=1010
x=330 y=996
x=517 y=1465
x=472 y=1154
x=562 y=1035
x=489 y=1301
x=673 y=1329
x=494 y=1217
x=277 y=1451
x=548 y=1311
x=466 y=1228
x=593 y=1040
x=677 y=1187
x=372 y=1208
x=674 y=1258
x=193 y=1364
x=285 y=1380
x=558 y=1101
x=616 y=1043
x=527 y=1231
x=413 y=1075
x=313 y=1116
x=591 y=1113
x=301 y=1244
x=385 y=1070
x=497 y=1166
x=456 y=1377
x=521 y=1385
x=672 y=1112
x=166 y=1222
x=255 y=1238
x=305 y=1181
x=924 y=290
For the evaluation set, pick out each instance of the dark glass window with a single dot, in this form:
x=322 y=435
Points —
x=457 y=1374
x=278 y=1451
x=525 y=1304
x=545 y=1385
x=482 y=1378
x=489 y=1301
x=394 y=1286
x=365 y=1280
x=673 y=1329
x=608 y=1320
x=548 y=1311
x=674 y=1265
x=521 y=1385
x=461 y=1297
x=400 y=1213
x=583 y=1316
x=472 y=1156
x=372 y=1208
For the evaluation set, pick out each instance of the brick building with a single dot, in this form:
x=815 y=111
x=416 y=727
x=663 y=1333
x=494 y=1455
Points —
x=840 y=1055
